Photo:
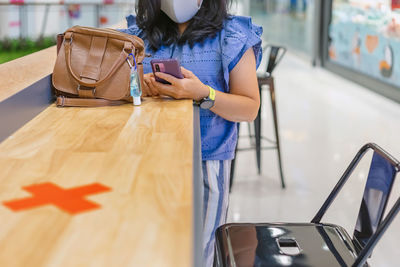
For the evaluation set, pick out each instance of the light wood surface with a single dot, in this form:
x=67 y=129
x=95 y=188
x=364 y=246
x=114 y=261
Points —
x=144 y=154
x=18 y=74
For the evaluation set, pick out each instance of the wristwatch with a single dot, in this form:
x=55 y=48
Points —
x=208 y=102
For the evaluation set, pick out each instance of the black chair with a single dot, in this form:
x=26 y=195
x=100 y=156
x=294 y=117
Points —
x=316 y=243
x=276 y=54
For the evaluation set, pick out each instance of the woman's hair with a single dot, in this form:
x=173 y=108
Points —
x=159 y=29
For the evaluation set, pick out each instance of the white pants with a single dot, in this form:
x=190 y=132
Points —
x=216 y=175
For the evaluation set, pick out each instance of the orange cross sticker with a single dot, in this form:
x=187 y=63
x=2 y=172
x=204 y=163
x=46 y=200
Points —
x=69 y=200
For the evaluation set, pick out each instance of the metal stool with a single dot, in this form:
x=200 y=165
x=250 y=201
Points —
x=317 y=243
x=276 y=54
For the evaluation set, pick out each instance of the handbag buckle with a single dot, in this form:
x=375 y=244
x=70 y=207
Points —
x=78 y=88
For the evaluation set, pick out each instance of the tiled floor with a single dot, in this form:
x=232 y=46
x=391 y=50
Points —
x=324 y=119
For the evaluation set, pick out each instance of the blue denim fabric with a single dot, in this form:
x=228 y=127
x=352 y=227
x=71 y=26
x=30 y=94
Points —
x=211 y=61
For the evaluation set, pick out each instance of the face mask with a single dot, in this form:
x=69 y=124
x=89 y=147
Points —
x=180 y=11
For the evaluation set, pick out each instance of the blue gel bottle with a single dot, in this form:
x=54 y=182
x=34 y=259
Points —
x=136 y=91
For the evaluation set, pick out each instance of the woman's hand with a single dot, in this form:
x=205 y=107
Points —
x=190 y=87
x=147 y=89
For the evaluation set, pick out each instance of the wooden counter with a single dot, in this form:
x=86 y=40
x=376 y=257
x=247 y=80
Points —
x=143 y=154
x=116 y=184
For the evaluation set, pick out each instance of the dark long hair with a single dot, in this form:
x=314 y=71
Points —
x=159 y=29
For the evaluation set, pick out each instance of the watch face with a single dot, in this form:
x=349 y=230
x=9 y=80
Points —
x=207 y=104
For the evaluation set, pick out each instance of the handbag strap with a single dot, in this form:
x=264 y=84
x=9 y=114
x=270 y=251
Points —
x=63 y=101
x=128 y=46
x=92 y=67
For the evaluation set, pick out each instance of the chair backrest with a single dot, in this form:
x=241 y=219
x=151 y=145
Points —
x=275 y=55
x=371 y=223
x=376 y=195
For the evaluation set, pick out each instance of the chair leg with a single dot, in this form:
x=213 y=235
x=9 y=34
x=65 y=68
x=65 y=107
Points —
x=251 y=136
x=232 y=174
x=257 y=131
x=273 y=104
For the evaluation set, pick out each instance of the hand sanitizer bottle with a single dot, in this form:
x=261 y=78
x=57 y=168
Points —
x=136 y=91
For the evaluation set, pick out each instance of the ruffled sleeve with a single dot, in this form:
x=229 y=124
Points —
x=239 y=35
x=132 y=27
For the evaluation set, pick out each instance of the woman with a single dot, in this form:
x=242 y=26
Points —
x=219 y=55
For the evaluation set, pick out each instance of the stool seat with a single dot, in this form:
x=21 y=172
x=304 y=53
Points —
x=274 y=244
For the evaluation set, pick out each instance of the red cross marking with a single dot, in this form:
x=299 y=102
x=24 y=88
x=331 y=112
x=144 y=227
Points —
x=69 y=200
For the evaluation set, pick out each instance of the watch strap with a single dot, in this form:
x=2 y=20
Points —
x=212 y=93
x=208 y=102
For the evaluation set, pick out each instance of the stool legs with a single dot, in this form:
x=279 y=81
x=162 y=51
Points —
x=274 y=113
x=257 y=131
x=233 y=161
x=232 y=174
x=258 y=137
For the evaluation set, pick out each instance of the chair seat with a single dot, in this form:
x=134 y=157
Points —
x=267 y=244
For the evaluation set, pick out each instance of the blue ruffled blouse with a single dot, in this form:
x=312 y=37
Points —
x=211 y=61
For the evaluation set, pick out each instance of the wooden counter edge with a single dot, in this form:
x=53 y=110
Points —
x=20 y=73
x=197 y=191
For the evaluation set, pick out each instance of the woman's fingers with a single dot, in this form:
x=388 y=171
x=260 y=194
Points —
x=164 y=89
x=146 y=89
x=151 y=88
x=169 y=78
x=186 y=73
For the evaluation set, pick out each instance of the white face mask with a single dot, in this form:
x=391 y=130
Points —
x=180 y=11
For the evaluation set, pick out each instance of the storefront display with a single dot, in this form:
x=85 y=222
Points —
x=365 y=36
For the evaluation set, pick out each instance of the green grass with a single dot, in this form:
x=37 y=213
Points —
x=8 y=56
x=11 y=49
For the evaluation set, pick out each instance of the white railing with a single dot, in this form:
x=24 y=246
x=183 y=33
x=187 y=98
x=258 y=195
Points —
x=30 y=18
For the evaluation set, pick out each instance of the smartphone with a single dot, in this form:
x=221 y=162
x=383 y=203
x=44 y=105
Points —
x=169 y=66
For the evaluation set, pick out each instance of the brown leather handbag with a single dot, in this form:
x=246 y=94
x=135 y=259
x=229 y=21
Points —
x=92 y=69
